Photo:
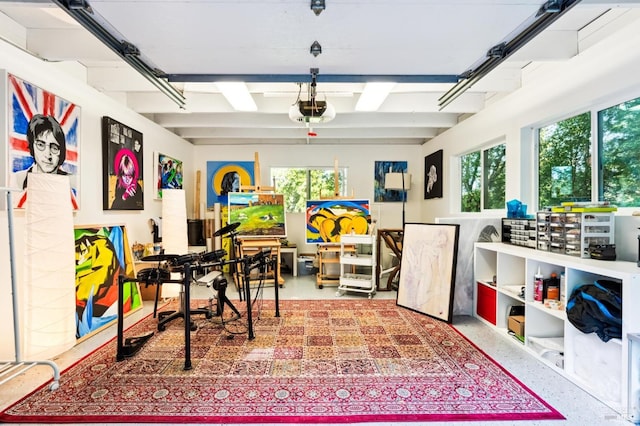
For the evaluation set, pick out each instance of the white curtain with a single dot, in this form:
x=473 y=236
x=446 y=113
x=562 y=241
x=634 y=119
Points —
x=49 y=268
x=175 y=238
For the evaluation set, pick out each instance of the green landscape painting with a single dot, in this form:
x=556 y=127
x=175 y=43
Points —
x=260 y=214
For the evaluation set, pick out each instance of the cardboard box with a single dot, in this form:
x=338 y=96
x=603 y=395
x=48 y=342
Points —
x=149 y=292
x=516 y=324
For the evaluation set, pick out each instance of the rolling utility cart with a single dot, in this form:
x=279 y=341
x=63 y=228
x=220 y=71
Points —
x=357 y=268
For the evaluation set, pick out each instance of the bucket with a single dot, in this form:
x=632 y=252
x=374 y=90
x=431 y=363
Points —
x=194 y=229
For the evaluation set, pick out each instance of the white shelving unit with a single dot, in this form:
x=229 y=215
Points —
x=357 y=268
x=602 y=369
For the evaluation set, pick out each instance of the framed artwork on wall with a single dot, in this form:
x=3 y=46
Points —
x=428 y=269
x=102 y=254
x=224 y=177
x=326 y=220
x=380 y=194
x=433 y=175
x=169 y=173
x=261 y=214
x=44 y=131
x=122 y=171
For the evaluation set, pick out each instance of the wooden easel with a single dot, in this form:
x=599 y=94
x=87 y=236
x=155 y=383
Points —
x=256 y=178
x=336 y=185
x=251 y=246
x=330 y=253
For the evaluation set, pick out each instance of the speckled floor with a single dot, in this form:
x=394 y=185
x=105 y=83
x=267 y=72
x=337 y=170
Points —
x=579 y=407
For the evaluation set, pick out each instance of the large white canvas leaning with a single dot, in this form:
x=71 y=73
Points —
x=427 y=271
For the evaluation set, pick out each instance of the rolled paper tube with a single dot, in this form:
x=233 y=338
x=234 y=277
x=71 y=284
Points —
x=49 y=264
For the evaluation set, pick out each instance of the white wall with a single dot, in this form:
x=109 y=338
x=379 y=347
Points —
x=358 y=159
x=606 y=74
x=553 y=91
x=71 y=86
x=94 y=105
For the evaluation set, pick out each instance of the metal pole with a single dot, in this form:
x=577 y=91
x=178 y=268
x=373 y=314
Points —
x=14 y=287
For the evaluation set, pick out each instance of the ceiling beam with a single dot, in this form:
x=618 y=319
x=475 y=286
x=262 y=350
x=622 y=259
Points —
x=303 y=140
x=350 y=120
x=546 y=15
x=82 y=12
x=280 y=133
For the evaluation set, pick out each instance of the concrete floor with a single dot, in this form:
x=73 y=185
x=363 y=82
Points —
x=579 y=407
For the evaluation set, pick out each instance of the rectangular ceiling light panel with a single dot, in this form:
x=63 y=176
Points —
x=237 y=94
x=373 y=95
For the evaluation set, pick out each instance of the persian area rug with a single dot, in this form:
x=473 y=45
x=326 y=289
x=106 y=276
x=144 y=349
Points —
x=322 y=361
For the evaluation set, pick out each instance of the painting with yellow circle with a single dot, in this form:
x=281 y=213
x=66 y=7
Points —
x=224 y=177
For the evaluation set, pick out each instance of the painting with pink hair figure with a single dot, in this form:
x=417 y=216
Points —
x=122 y=162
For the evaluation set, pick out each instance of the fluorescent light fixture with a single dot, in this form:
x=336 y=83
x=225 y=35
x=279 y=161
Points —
x=237 y=94
x=373 y=95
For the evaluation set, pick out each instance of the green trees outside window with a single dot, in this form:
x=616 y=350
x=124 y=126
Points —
x=564 y=161
x=493 y=169
x=619 y=154
x=482 y=179
x=301 y=184
x=470 y=168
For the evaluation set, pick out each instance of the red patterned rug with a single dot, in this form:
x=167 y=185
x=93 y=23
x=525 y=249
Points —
x=339 y=361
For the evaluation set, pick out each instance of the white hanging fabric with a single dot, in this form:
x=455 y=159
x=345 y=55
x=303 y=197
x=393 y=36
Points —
x=49 y=266
x=175 y=238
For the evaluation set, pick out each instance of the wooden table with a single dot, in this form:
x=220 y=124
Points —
x=251 y=246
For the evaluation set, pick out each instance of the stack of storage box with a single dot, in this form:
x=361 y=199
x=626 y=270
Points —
x=571 y=233
x=519 y=232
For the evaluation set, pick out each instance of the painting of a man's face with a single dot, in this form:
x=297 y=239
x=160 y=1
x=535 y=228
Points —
x=46 y=152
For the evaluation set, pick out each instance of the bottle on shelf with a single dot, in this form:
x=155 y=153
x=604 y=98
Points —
x=538 y=286
x=553 y=288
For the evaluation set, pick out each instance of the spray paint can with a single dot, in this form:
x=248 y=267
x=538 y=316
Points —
x=538 y=286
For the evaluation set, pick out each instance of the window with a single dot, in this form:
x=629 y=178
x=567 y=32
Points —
x=567 y=170
x=619 y=154
x=564 y=161
x=493 y=177
x=482 y=179
x=470 y=182
x=301 y=184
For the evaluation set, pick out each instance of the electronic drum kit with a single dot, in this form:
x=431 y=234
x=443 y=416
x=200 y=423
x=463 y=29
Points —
x=185 y=264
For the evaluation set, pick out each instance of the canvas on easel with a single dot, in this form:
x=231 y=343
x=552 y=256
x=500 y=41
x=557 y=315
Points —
x=260 y=214
x=326 y=220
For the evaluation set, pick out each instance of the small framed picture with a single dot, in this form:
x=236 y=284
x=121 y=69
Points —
x=168 y=174
x=433 y=175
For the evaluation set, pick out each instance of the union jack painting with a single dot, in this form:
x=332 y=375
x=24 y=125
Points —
x=28 y=104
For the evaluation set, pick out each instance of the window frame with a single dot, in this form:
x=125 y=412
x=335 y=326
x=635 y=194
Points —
x=596 y=148
x=481 y=150
x=342 y=182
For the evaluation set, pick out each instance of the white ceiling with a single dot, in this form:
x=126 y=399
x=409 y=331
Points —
x=268 y=43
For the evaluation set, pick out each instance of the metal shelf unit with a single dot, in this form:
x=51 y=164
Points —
x=12 y=369
x=357 y=267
